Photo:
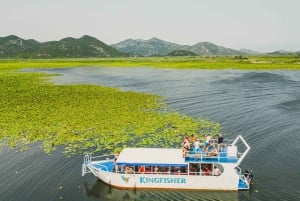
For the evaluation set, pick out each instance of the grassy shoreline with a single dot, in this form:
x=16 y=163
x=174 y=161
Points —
x=213 y=63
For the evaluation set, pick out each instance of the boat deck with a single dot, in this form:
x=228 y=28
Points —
x=104 y=165
x=226 y=155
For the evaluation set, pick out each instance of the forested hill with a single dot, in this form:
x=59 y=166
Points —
x=155 y=46
x=86 y=46
x=14 y=47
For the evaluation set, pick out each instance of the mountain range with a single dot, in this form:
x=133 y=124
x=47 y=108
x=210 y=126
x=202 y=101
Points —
x=86 y=46
x=155 y=46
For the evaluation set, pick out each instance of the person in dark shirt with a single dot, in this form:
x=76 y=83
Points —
x=220 y=142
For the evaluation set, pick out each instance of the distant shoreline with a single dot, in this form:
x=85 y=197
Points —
x=191 y=62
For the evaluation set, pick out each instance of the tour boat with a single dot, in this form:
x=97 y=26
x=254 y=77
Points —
x=168 y=168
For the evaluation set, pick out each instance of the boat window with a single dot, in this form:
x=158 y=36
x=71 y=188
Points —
x=211 y=169
x=194 y=169
x=221 y=168
x=218 y=169
x=129 y=169
x=206 y=169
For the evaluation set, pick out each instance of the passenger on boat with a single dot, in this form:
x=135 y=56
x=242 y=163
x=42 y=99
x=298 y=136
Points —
x=217 y=171
x=193 y=139
x=156 y=170
x=115 y=160
x=185 y=146
x=128 y=170
x=185 y=141
x=207 y=142
x=220 y=142
x=192 y=169
x=142 y=169
x=206 y=171
x=197 y=148
x=213 y=152
x=168 y=171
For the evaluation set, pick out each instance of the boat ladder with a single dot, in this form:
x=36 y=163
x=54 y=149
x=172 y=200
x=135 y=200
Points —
x=86 y=161
x=244 y=183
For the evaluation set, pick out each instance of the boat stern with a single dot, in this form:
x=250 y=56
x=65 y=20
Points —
x=245 y=179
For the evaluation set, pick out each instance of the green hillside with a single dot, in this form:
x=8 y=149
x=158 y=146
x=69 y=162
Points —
x=13 y=47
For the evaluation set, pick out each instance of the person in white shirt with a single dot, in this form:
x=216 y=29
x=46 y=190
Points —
x=217 y=171
x=207 y=143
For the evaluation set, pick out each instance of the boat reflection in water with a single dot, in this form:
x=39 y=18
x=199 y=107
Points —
x=106 y=192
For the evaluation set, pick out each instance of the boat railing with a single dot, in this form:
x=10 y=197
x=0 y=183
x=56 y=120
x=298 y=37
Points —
x=241 y=155
x=155 y=173
x=102 y=157
x=226 y=153
x=88 y=159
x=203 y=156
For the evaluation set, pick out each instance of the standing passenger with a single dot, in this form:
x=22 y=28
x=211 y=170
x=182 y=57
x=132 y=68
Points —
x=197 y=148
x=220 y=143
x=185 y=147
x=193 y=140
x=207 y=143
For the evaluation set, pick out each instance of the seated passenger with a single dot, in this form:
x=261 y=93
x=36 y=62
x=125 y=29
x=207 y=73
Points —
x=127 y=170
x=156 y=169
x=206 y=171
x=178 y=172
x=213 y=152
x=142 y=169
x=217 y=171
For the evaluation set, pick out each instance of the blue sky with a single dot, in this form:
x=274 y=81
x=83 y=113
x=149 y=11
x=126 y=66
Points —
x=261 y=25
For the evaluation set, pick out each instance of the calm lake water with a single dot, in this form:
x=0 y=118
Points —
x=262 y=106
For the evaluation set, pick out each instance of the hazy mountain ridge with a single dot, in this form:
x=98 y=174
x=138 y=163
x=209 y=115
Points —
x=155 y=46
x=86 y=46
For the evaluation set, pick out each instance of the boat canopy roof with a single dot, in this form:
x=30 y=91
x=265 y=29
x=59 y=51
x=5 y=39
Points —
x=151 y=157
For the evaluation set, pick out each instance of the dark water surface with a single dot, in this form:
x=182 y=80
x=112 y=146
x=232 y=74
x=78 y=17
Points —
x=262 y=106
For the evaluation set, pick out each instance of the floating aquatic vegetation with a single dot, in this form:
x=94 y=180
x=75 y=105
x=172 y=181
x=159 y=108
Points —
x=87 y=117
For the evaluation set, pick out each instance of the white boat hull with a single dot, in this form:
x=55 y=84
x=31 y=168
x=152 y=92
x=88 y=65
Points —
x=228 y=181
